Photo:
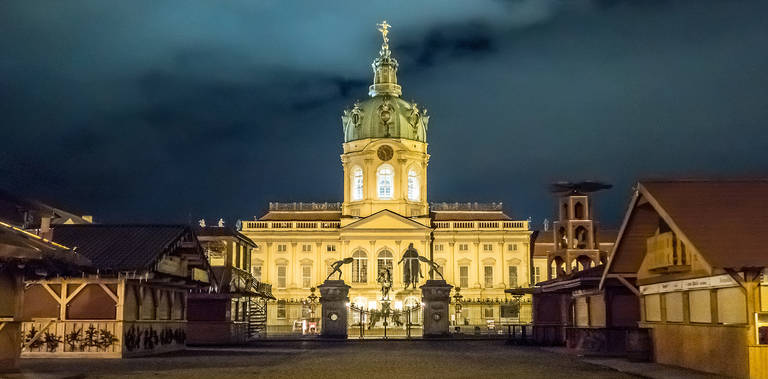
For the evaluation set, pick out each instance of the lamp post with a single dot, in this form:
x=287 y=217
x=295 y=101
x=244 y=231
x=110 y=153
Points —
x=458 y=305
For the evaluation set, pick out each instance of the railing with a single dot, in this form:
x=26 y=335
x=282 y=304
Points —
x=466 y=206
x=276 y=206
x=481 y=225
x=303 y=225
x=667 y=253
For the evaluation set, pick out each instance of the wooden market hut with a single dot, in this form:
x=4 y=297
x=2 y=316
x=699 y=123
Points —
x=134 y=304
x=699 y=251
x=25 y=255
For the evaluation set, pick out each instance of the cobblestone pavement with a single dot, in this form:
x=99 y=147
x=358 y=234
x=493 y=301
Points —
x=347 y=359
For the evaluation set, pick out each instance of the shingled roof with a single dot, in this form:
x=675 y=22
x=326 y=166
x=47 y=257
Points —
x=122 y=247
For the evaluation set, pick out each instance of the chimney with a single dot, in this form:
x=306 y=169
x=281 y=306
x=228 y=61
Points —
x=45 y=227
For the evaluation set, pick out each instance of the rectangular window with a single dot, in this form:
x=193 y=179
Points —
x=699 y=306
x=306 y=276
x=463 y=276
x=487 y=247
x=674 y=302
x=359 y=270
x=237 y=256
x=306 y=248
x=731 y=306
x=536 y=275
x=512 y=276
x=281 y=276
x=439 y=247
x=652 y=307
x=282 y=248
x=488 y=270
x=281 y=309
x=512 y=247
x=488 y=312
x=256 y=271
x=330 y=248
x=463 y=247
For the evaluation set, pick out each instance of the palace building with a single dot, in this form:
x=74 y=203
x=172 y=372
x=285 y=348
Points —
x=478 y=247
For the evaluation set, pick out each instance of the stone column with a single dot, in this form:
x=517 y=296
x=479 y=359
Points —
x=334 y=296
x=436 y=296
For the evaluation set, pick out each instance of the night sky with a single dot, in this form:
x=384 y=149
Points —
x=171 y=111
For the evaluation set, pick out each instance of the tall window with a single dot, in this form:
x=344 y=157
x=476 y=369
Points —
x=256 y=271
x=536 y=274
x=513 y=276
x=306 y=276
x=488 y=276
x=463 y=276
x=357 y=184
x=414 y=188
x=281 y=309
x=281 y=276
x=384 y=181
x=359 y=267
x=384 y=262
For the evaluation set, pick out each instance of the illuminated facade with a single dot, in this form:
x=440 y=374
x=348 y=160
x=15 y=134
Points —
x=385 y=209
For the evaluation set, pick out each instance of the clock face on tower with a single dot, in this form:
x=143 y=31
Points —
x=385 y=153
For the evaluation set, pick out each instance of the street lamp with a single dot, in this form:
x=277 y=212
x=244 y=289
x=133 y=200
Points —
x=458 y=305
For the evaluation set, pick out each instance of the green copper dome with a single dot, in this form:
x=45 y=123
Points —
x=385 y=114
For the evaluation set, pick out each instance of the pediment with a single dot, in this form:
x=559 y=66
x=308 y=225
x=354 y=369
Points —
x=385 y=220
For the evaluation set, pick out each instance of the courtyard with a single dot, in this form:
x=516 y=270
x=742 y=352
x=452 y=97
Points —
x=343 y=359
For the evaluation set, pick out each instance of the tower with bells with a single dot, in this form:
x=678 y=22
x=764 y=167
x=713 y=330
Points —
x=576 y=246
x=385 y=147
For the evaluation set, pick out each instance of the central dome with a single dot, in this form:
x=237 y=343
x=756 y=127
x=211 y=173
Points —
x=385 y=117
x=385 y=114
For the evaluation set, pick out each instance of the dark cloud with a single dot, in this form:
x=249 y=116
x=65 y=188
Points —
x=151 y=111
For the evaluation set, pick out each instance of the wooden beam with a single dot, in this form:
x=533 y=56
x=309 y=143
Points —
x=54 y=294
x=735 y=276
x=629 y=285
x=109 y=292
x=75 y=292
x=37 y=336
x=2 y=325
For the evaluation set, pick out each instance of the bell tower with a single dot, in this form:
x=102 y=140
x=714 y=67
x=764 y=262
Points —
x=575 y=245
x=385 y=149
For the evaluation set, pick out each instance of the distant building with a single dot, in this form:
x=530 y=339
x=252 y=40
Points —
x=569 y=308
x=478 y=246
x=235 y=311
x=699 y=251
x=135 y=304
x=33 y=215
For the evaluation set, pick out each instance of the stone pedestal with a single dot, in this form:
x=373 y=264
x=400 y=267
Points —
x=436 y=295
x=334 y=296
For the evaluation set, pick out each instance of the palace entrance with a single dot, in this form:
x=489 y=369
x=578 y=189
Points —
x=385 y=318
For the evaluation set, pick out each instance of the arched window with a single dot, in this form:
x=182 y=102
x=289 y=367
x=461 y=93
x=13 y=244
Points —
x=384 y=262
x=578 y=209
x=414 y=189
x=357 y=184
x=385 y=180
x=359 y=267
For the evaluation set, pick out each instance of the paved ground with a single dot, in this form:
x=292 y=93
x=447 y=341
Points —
x=348 y=359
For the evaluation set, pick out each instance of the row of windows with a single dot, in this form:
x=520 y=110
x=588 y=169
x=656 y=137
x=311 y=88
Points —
x=385 y=261
x=486 y=247
x=385 y=180
x=281 y=248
